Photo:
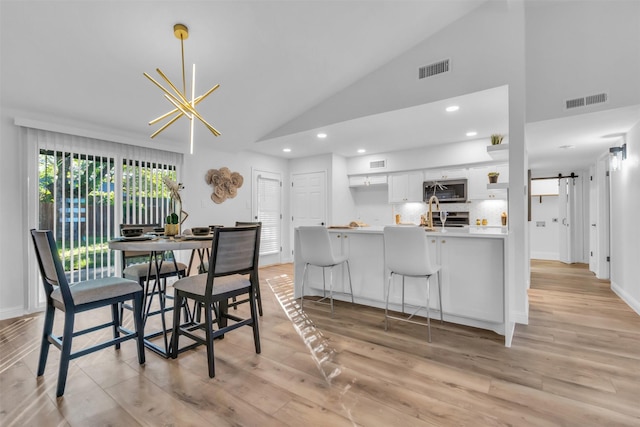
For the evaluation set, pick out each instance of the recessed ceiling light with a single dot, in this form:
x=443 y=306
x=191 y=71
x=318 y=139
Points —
x=452 y=108
x=362 y=150
x=286 y=150
x=322 y=135
x=472 y=133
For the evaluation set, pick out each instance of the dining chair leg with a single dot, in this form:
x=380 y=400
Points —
x=209 y=339
x=65 y=352
x=137 y=318
x=254 y=325
x=258 y=296
x=175 y=333
x=115 y=318
x=46 y=333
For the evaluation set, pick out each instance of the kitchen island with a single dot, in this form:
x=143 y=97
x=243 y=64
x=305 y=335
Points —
x=473 y=274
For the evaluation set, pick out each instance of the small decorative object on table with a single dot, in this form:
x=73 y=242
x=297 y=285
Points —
x=493 y=177
x=172 y=226
x=496 y=139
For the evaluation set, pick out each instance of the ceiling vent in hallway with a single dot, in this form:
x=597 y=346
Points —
x=586 y=100
x=378 y=164
x=433 y=69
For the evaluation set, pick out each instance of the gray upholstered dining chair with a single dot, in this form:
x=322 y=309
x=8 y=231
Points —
x=316 y=250
x=406 y=253
x=80 y=297
x=232 y=265
x=135 y=264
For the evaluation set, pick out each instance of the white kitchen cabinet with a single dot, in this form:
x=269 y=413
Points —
x=440 y=174
x=478 y=187
x=472 y=277
x=406 y=187
x=367 y=180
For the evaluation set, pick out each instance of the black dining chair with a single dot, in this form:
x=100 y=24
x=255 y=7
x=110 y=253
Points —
x=235 y=302
x=77 y=298
x=232 y=265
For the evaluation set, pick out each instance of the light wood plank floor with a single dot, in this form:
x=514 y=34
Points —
x=576 y=363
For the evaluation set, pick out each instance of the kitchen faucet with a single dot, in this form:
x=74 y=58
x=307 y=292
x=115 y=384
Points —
x=432 y=199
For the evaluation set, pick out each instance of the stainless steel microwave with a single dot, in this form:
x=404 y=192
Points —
x=447 y=191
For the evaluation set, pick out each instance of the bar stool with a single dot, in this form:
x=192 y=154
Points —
x=316 y=250
x=406 y=253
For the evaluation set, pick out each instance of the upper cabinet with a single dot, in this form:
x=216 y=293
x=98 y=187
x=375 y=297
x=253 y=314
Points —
x=479 y=187
x=440 y=174
x=366 y=180
x=406 y=187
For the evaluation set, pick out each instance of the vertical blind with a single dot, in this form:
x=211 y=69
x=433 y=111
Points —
x=88 y=187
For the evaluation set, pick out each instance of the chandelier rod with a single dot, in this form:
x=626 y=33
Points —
x=184 y=82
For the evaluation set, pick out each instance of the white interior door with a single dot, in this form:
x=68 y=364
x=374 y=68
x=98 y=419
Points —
x=267 y=208
x=309 y=199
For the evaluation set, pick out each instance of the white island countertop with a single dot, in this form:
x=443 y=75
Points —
x=469 y=231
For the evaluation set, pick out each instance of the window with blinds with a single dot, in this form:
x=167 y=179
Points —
x=268 y=209
x=87 y=188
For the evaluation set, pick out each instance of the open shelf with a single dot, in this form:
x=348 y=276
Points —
x=498 y=186
x=499 y=151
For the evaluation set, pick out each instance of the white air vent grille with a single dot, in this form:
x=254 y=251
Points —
x=378 y=164
x=433 y=69
x=596 y=99
x=586 y=100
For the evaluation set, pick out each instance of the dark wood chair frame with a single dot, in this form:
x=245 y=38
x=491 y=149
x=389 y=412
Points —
x=235 y=303
x=158 y=289
x=53 y=276
x=216 y=306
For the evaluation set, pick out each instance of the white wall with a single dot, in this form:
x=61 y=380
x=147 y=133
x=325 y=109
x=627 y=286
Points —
x=567 y=58
x=625 y=227
x=15 y=244
x=544 y=231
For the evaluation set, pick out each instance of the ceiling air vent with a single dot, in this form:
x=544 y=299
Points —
x=596 y=99
x=433 y=69
x=586 y=100
x=378 y=164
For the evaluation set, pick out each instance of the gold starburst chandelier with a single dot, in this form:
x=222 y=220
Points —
x=183 y=107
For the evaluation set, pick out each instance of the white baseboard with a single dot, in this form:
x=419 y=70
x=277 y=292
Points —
x=549 y=256
x=624 y=296
x=10 y=313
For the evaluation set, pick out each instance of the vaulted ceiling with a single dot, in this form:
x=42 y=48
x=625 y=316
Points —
x=81 y=62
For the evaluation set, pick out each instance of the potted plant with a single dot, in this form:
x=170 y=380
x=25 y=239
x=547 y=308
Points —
x=493 y=177
x=172 y=225
x=496 y=139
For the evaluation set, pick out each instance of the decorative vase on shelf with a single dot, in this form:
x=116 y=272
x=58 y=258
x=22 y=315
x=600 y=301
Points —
x=496 y=139
x=493 y=177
